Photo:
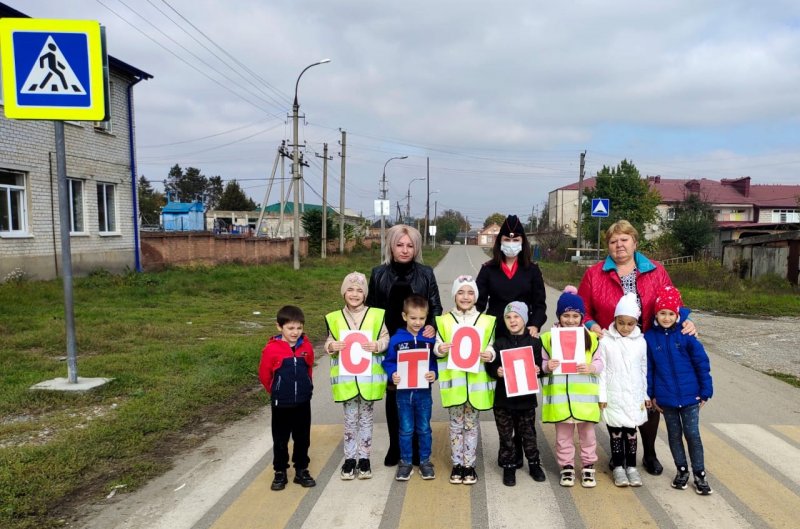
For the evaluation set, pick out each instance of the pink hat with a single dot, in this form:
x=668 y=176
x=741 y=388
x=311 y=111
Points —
x=669 y=298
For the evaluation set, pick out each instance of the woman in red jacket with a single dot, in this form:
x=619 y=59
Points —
x=627 y=270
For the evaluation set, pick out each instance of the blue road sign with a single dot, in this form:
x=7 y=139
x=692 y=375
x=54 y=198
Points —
x=52 y=69
x=600 y=207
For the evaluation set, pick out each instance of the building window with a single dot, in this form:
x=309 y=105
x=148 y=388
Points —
x=76 y=224
x=13 y=203
x=785 y=215
x=671 y=214
x=106 y=208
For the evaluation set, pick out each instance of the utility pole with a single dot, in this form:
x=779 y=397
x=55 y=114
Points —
x=341 y=194
x=284 y=154
x=382 y=190
x=427 y=201
x=435 y=206
x=303 y=163
x=580 y=201
x=325 y=159
x=296 y=181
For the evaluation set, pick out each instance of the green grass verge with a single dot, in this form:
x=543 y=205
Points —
x=182 y=347
x=708 y=287
x=789 y=379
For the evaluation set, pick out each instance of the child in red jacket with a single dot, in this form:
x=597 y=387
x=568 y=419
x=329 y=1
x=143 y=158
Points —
x=285 y=372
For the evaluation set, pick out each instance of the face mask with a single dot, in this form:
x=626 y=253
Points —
x=511 y=249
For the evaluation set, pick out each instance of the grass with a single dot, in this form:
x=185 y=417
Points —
x=709 y=287
x=789 y=379
x=182 y=347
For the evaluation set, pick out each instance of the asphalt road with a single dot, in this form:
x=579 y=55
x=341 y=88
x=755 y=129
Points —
x=751 y=433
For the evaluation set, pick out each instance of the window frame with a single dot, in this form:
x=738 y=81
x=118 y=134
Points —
x=103 y=209
x=72 y=219
x=786 y=216
x=21 y=191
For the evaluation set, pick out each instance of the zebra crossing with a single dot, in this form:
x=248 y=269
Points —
x=753 y=470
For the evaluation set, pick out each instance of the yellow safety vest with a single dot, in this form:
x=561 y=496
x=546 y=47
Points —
x=458 y=387
x=571 y=396
x=371 y=387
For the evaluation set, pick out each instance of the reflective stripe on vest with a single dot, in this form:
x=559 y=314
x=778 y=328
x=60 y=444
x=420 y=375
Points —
x=346 y=387
x=571 y=396
x=458 y=387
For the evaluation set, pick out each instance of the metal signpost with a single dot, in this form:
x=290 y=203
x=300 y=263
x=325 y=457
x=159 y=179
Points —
x=57 y=70
x=600 y=208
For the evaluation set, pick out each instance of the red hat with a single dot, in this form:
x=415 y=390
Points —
x=668 y=298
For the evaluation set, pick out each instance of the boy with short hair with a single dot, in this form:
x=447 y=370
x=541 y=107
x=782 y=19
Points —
x=413 y=405
x=678 y=384
x=285 y=372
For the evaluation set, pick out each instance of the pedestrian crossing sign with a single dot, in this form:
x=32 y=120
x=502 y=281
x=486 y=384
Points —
x=600 y=207
x=53 y=69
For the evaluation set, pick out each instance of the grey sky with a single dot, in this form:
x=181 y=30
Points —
x=502 y=96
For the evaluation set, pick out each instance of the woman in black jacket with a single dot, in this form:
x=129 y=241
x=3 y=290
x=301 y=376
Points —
x=402 y=274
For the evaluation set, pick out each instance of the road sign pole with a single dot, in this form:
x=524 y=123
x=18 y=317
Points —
x=598 y=238
x=66 y=253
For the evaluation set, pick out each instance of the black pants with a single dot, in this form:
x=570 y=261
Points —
x=513 y=425
x=623 y=446
x=649 y=432
x=294 y=422
x=393 y=424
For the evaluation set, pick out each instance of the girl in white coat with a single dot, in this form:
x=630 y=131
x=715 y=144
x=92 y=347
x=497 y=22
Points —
x=623 y=388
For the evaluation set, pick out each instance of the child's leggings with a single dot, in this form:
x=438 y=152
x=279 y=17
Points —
x=463 y=434
x=358 y=419
x=565 y=447
x=623 y=446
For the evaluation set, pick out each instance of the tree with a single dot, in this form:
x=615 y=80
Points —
x=150 y=202
x=213 y=193
x=190 y=185
x=693 y=225
x=449 y=224
x=312 y=223
x=630 y=195
x=233 y=198
x=494 y=218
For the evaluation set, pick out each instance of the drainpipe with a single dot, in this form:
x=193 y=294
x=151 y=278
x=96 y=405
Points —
x=132 y=147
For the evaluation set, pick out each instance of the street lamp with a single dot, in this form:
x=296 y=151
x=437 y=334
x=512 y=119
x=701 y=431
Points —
x=408 y=203
x=296 y=166
x=383 y=197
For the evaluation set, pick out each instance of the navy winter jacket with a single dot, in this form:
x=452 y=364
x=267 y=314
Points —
x=678 y=369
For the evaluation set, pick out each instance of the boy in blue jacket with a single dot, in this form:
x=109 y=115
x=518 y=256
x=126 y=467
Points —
x=413 y=405
x=679 y=384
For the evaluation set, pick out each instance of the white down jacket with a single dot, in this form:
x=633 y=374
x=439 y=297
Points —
x=623 y=381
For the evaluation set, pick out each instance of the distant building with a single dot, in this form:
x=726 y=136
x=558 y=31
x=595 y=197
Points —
x=487 y=235
x=273 y=224
x=101 y=181
x=183 y=216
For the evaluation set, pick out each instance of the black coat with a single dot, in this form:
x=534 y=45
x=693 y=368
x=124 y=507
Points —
x=420 y=280
x=501 y=400
x=496 y=290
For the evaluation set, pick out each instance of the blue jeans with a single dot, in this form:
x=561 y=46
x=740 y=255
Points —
x=414 y=411
x=685 y=422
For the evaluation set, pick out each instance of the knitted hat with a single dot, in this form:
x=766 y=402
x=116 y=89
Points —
x=355 y=279
x=668 y=298
x=518 y=307
x=570 y=301
x=461 y=281
x=628 y=306
x=511 y=227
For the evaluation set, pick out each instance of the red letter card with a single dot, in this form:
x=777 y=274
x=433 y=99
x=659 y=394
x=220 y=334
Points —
x=412 y=365
x=465 y=354
x=353 y=359
x=569 y=348
x=519 y=371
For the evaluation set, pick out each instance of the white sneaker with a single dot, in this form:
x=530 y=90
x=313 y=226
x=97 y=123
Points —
x=620 y=477
x=567 y=477
x=587 y=478
x=634 y=478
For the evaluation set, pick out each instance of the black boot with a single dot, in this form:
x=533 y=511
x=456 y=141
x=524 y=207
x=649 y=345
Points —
x=536 y=471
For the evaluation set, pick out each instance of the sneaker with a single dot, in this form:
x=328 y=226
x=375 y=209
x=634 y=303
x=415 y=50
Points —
x=536 y=471
x=620 y=477
x=364 y=469
x=509 y=476
x=280 y=481
x=426 y=470
x=470 y=476
x=681 y=479
x=404 y=471
x=349 y=469
x=587 y=478
x=304 y=479
x=634 y=478
x=456 y=475
x=652 y=465
x=567 y=476
x=701 y=486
